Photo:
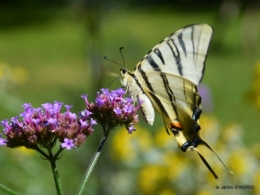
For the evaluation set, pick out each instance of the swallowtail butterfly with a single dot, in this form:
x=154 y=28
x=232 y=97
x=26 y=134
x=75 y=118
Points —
x=166 y=79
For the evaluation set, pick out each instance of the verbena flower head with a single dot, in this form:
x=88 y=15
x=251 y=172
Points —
x=45 y=125
x=112 y=109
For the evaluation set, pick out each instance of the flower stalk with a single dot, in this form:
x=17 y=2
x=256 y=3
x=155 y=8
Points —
x=55 y=173
x=92 y=164
x=8 y=190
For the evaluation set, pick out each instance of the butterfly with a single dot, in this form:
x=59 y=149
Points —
x=166 y=80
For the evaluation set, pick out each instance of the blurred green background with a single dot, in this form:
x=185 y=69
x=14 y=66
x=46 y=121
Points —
x=53 y=50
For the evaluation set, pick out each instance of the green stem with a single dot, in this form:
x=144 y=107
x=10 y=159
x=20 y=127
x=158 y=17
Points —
x=56 y=176
x=8 y=190
x=56 y=156
x=92 y=164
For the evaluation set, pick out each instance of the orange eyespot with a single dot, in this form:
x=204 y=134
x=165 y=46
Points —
x=175 y=125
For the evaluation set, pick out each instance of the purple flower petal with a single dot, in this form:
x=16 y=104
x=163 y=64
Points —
x=120 y=92
x=92 y=122
x=52 y=120
x=117 y=110
x=47 y=106
x=129 y=100
x=2 y=141
x=36 y=120
x=100 y=101
x=5 y=123
x=68 y=107
x=57 y=106
x=88 y=113
x=131 y=129
x=128 y=108
x=105 y=91
x=83 y=123
x=72 y=116
x=26 y=105
x=68 y=144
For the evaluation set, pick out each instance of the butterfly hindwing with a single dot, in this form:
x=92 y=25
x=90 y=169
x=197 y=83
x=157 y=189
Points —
x=176 y=99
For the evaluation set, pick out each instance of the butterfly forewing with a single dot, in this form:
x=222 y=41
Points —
x=183 y=53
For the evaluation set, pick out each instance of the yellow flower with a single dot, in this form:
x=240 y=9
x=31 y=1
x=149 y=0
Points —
x=174 y=163
x=126 y=146
x=166 y=192
x=239 y=161
x=163 y=139
x=151 y=177
x=257 y=73
x=256 y=182
x=204 y=192
x=19 y=75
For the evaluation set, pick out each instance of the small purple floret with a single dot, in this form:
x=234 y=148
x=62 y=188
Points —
x=68 y=144
x=2 y=141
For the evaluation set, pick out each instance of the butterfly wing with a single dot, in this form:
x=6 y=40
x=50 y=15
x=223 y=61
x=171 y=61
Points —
x=178 y=102
x=181 y=57
x=183 y=53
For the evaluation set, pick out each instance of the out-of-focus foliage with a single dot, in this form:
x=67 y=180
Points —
x=54 y=51
x=254 y=94
x=10 y=78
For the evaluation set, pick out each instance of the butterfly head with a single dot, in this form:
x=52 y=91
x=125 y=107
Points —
x=124 y=76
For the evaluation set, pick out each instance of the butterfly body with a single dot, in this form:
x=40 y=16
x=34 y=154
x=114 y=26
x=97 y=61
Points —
x=132 y=85
x=166 y=80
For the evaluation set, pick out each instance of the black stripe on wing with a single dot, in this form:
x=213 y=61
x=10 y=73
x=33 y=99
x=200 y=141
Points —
x=182 y=44
x=192 y=41
x=170 y=93
x=176 y=55
x=165 y=83
x=159 y=54
x=152 y=93
x=136 y=80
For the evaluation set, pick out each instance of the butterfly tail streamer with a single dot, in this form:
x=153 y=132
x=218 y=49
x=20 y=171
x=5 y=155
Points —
x=205 y=144
x=206 y=163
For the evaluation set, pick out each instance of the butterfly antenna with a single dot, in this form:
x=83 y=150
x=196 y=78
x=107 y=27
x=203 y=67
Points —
x=121 y=48
x=112 y=82
x=113 y=61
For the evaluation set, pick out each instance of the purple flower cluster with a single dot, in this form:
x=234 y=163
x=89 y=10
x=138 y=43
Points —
x=45 y=125
x=111 y=109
